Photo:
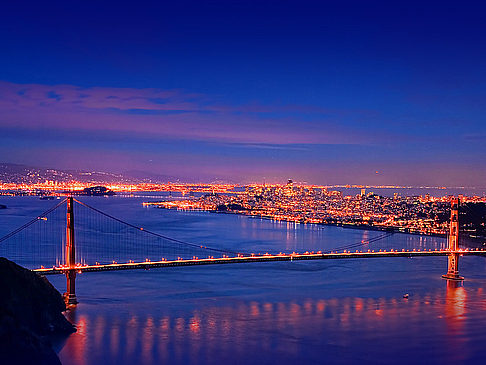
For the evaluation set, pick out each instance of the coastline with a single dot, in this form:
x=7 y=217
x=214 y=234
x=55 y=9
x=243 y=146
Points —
x=471 y=242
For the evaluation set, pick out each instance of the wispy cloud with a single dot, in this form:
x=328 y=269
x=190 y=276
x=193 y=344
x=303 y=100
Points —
x=172 y=114
x=267 y=146
x=475 y=137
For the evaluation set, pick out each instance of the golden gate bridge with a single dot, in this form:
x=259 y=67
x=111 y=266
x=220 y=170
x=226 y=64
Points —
x=73 y=237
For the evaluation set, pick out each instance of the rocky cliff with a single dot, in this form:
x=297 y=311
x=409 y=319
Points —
x=30 y=312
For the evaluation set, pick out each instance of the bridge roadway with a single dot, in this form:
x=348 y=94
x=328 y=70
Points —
x=255 y=258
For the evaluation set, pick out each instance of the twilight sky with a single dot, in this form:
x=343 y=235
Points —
x=328 y=92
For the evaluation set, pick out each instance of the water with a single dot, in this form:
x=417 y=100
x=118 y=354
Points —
x=284 y=312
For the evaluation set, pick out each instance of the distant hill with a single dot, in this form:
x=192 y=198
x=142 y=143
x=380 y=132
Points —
x=13 y=173
x=23 y=174
x=150 y=177
x=473 y=219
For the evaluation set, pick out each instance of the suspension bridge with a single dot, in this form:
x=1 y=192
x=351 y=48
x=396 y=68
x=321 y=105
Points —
x=56 y=243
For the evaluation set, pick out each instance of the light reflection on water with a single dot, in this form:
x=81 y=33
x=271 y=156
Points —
x=313 y=330
x=299 y=312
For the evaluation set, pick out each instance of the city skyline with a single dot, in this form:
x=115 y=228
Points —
x=246 y=92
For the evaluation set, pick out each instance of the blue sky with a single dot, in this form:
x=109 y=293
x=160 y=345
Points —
x=318 y=91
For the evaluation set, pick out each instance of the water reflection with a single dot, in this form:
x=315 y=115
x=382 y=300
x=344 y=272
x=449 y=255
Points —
x=213 y=334
x=456 y=299
x=276 y=313
x=455 y=315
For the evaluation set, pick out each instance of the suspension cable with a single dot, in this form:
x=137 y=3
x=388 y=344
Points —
x=361 y=243
x=43 y=215
x=153 y=233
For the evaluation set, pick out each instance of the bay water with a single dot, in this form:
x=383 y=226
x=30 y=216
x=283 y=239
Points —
x=340 y=311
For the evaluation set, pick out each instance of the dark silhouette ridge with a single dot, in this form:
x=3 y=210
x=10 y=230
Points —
x=30 y=313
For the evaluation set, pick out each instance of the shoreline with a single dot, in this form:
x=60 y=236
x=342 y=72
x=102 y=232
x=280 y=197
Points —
x=472 y=242
x=342 y=225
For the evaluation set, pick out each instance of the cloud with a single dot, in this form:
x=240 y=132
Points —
x=97 y=98
x=172 y=114
x=266 y=146
x=475 y=137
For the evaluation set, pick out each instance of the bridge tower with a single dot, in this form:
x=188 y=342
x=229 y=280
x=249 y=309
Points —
x=70 y=295
x=453 y=259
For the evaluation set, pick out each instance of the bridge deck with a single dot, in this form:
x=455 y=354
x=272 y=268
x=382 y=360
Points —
x=254 y=258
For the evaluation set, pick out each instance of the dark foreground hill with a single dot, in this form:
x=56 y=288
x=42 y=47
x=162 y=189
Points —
x=30 y=313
